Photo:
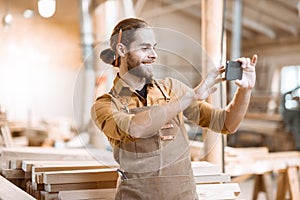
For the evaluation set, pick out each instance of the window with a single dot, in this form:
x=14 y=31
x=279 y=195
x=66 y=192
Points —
x=290 y=86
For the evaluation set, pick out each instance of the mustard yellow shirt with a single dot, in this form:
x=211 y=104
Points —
x=111 y=112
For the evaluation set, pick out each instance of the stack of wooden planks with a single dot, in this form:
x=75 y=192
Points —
x=45 y=172
x=69 y=174
x=212 y=184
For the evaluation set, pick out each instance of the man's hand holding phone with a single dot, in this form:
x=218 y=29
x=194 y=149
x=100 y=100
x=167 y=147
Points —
x=234 y=70
x=242 y=71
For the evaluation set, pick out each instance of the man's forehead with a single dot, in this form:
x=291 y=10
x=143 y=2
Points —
x=144 y=36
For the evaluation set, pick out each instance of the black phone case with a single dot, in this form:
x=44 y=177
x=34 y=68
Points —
x=233 y=70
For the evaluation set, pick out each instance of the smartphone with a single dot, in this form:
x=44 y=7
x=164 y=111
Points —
x=233 y=70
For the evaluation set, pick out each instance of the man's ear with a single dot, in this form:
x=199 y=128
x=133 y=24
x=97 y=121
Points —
x=121 y=49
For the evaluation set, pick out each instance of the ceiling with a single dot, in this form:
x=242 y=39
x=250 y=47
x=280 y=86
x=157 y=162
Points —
x=263 y=21
x=268 y=21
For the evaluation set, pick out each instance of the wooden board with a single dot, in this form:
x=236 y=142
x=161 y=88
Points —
x=204 y=168
x=40 y=153
x=218 y=191
x=15 y=164
x=59 y=164
x=79 y=186
x=15 y=174
x=48 y=195
x=79 y=176
x=5 y=131
x=9 y=191
x=43 y=154
x=67 y=167
x=99 y=194
x=214 y=178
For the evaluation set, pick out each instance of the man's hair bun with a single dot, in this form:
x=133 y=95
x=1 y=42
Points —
x=108 y=56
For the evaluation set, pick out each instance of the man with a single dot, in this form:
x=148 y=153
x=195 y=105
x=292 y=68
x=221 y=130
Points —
x=143 y=117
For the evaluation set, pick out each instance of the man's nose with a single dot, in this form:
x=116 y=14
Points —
x=152 y=54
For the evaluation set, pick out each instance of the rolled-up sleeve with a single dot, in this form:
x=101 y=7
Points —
x=111 y=120
x=200 y=112
x=203 y=114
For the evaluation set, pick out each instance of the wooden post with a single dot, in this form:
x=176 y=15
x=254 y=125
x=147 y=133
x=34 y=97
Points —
x=262 y=182
x=6 y=134
x=236 y=40
x=293 y=181
x=211 y=24
x=288 y=179
x=281 y=185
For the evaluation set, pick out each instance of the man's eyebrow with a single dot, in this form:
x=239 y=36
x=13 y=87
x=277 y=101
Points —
x=147 y=44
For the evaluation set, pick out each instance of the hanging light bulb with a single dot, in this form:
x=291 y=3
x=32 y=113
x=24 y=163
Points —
x=7 y=18
x=46 y=8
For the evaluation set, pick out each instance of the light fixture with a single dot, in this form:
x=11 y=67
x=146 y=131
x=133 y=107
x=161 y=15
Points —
x=28 y=13
x=7 y=18
x=46 y=8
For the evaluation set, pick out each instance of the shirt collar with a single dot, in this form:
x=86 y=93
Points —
x=120 y=84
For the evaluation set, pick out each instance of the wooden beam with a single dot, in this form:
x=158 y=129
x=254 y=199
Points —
x=276 y=10
x=128 y=9
x=79 y=186
x=218 y=191
x=262 y=184
x=48 y=195
x=101 y=194
x=15 y=164
x=211 y=36
x=39 y=169
x=170 y=8
x=40 y=153
x=288 y=180
x=79 y=176
x=293 y=182
x=264 y=116
x=247 y=34
x=259 y=27
x=6 y=134
x=215 y=178
x=15 y=174
x=201 y=168
x=194 y=11
x=266 y=46
x=290 y=3
x=9 y=191
x=60 y=164
x=268 y=18
x=138 y=7
x=251 y=23
x=51 y=168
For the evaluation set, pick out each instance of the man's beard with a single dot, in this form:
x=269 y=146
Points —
x=135 y=68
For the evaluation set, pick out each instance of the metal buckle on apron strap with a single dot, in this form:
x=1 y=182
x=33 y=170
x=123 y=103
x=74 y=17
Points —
x=122 y=175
